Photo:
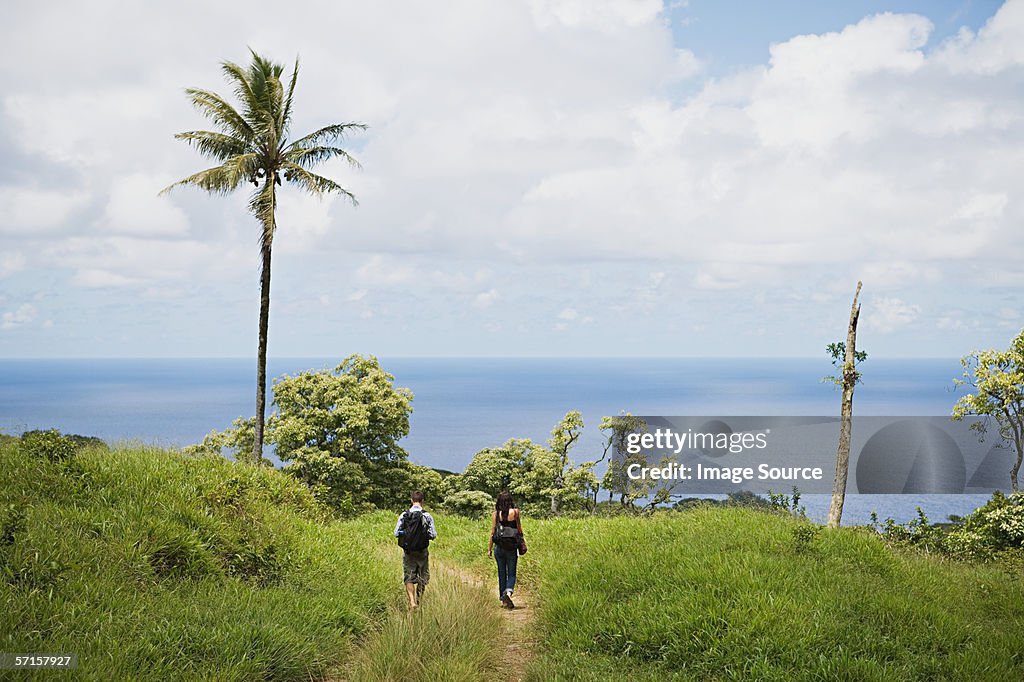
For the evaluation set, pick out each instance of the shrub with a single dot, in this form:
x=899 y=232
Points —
x=994 y=531
x=49 y=445
x=803 y=537
x=989 y=530
x=472 y=503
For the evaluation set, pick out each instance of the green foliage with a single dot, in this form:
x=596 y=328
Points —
x=997 y=378
x=804 y=535
x=837 y=351
x=251 y=140
x=495 y=469
x=152 y=565
x=543 y=480
x=473 y=504
x=49 y=445
x=992 y=532
x=615 y=478
x=339 y=430
x=353 y=411
x=787 y=504
x=742 y=498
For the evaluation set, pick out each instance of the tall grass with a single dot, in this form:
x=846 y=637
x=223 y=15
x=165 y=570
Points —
x=731 y=594
x=455 y=635
x=153 y=566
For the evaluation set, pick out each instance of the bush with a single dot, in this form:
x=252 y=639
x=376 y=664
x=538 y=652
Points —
x=49 y=445
x=471 y=503
x=992 y=532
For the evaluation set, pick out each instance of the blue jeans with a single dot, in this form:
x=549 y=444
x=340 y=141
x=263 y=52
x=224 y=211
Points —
x=506 y=559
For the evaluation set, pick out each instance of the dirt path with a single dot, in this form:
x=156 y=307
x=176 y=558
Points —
x=519 y=636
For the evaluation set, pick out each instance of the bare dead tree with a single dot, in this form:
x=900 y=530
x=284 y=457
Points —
x=849 y=381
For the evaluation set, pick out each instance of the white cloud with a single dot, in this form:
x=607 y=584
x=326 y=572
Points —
x=135 y=209
x=602 y=15
x=568 y=314
x=101 y=279
x=515 y=137
x=687 y=64
x=11 y=263
x=995 y=48
x=889 y=314
x=36 y=212
x=485 y=299
x=23 y=314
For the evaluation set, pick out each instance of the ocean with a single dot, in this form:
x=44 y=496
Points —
x=462 y=405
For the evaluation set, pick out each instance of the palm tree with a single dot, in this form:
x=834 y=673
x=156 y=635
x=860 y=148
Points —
x=251 y=145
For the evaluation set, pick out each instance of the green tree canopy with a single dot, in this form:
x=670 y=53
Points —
x=339 y=430
x=997 y=379
x=615 y=478
x=543 y=478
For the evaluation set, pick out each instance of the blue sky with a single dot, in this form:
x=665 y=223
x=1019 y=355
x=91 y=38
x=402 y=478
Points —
x=733 y=33
x=543 y=177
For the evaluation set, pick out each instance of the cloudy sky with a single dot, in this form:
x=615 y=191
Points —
x=541 y=177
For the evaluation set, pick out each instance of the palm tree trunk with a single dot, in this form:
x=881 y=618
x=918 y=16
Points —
x=268 y=218
x=261 y=360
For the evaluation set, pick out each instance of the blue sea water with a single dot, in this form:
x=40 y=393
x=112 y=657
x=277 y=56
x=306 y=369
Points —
x=465 y=404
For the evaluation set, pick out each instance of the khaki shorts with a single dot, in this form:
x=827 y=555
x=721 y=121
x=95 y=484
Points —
x=416 y=567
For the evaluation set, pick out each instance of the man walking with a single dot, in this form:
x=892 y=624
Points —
x=415 y=530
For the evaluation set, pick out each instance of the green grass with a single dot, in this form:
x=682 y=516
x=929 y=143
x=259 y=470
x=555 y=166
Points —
x=152 y=566
x=452 y=636
x=732 y=594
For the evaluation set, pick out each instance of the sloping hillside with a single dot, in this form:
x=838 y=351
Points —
x=150 y=565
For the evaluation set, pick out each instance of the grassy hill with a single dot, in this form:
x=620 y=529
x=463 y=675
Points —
x=734 y=594
x=151 y=566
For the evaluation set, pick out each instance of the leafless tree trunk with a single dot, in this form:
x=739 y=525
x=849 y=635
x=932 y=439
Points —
x=835 y=510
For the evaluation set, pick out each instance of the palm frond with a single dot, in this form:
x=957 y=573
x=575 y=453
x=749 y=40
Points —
x=327 y=134
x=286 y=113
x=218 y=110
x=263 y=204
x=214 y=145
x=311 y=156
x=313 y=183
x=239 y=78
x=223 y=178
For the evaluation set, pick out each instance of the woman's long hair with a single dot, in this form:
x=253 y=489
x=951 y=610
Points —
x=504 y=503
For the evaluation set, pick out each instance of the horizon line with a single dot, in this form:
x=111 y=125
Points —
x=475 y=357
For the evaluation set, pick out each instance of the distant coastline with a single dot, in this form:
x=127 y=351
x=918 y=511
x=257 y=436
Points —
x=465 y=404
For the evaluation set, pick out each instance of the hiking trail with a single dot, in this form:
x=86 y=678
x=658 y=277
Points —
x=519 y=635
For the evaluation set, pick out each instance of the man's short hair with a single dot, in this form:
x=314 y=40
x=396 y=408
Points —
x=417 y=496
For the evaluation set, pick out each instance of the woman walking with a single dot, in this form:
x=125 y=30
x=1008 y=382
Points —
x=506 y=529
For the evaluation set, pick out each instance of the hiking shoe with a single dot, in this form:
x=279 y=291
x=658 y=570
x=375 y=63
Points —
x=508 y=601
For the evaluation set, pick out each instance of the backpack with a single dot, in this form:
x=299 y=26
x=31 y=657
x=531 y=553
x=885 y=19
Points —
x=414 y=536
x=506 y=536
